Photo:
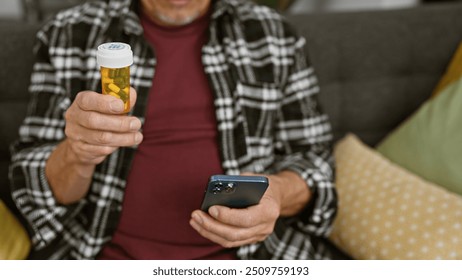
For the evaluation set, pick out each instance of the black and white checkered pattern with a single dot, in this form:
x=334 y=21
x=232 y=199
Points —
x=267 y=117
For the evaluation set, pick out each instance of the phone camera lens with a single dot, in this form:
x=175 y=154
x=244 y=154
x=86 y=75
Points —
x=229 y=188
x=217 y=188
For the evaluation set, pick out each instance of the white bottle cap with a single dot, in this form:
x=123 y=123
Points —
x=114 y=55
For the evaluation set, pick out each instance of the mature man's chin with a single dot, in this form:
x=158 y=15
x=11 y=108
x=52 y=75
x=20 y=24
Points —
x=177 y=21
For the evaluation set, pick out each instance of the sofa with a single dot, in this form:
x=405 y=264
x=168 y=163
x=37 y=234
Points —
x=374 y=67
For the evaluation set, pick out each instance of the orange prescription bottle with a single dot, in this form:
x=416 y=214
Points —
x=114 y=59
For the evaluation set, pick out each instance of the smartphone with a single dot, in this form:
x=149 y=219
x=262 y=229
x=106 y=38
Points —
x=234 y=191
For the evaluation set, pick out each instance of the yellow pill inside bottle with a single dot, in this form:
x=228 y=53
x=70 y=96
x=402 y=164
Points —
x=114 y=59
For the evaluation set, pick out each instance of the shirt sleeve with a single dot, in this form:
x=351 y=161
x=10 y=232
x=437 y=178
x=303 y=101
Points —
x=304 y=145
x=39 y=134
x=304 y=140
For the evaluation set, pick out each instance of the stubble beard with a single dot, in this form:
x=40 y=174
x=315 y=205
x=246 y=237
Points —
x=177 y=22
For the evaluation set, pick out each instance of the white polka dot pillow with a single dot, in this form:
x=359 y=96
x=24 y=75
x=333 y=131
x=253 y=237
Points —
x=385 y=212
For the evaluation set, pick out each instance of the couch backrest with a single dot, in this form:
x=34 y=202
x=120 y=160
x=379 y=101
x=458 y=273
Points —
x=16 y=64
x=376 y=68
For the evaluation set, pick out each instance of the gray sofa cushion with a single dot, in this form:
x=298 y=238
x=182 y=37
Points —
x=375 y=68
x=16 y=65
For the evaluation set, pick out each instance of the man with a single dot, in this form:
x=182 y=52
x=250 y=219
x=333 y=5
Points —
x=219 y=87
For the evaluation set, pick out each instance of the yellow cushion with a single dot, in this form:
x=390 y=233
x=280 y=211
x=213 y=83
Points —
x=14 y=241
x=453 y=72
x=385 y=212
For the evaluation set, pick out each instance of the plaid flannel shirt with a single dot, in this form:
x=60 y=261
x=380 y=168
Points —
x=268 y=120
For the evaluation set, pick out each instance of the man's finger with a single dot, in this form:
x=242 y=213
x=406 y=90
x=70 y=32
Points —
x=93 y=101
x=220 y=240
x=114 y=123
x=243 y=218
x=227 y=232
x=89 y=154
x=92 y=151
x=105 y=138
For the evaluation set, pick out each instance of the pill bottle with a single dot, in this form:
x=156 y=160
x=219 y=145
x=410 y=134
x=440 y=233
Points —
x=114 y=59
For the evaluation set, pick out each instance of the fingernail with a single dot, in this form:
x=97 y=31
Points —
x=138 y=138
x=197 y=218
x=193 y=223
x=133 y=125
x=116 y=105
x=213 y=211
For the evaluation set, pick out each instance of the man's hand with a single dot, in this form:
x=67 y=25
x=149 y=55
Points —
x=286 y=195
x=95 y=128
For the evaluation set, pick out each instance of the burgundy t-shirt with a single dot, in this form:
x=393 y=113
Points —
x=177 y=156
